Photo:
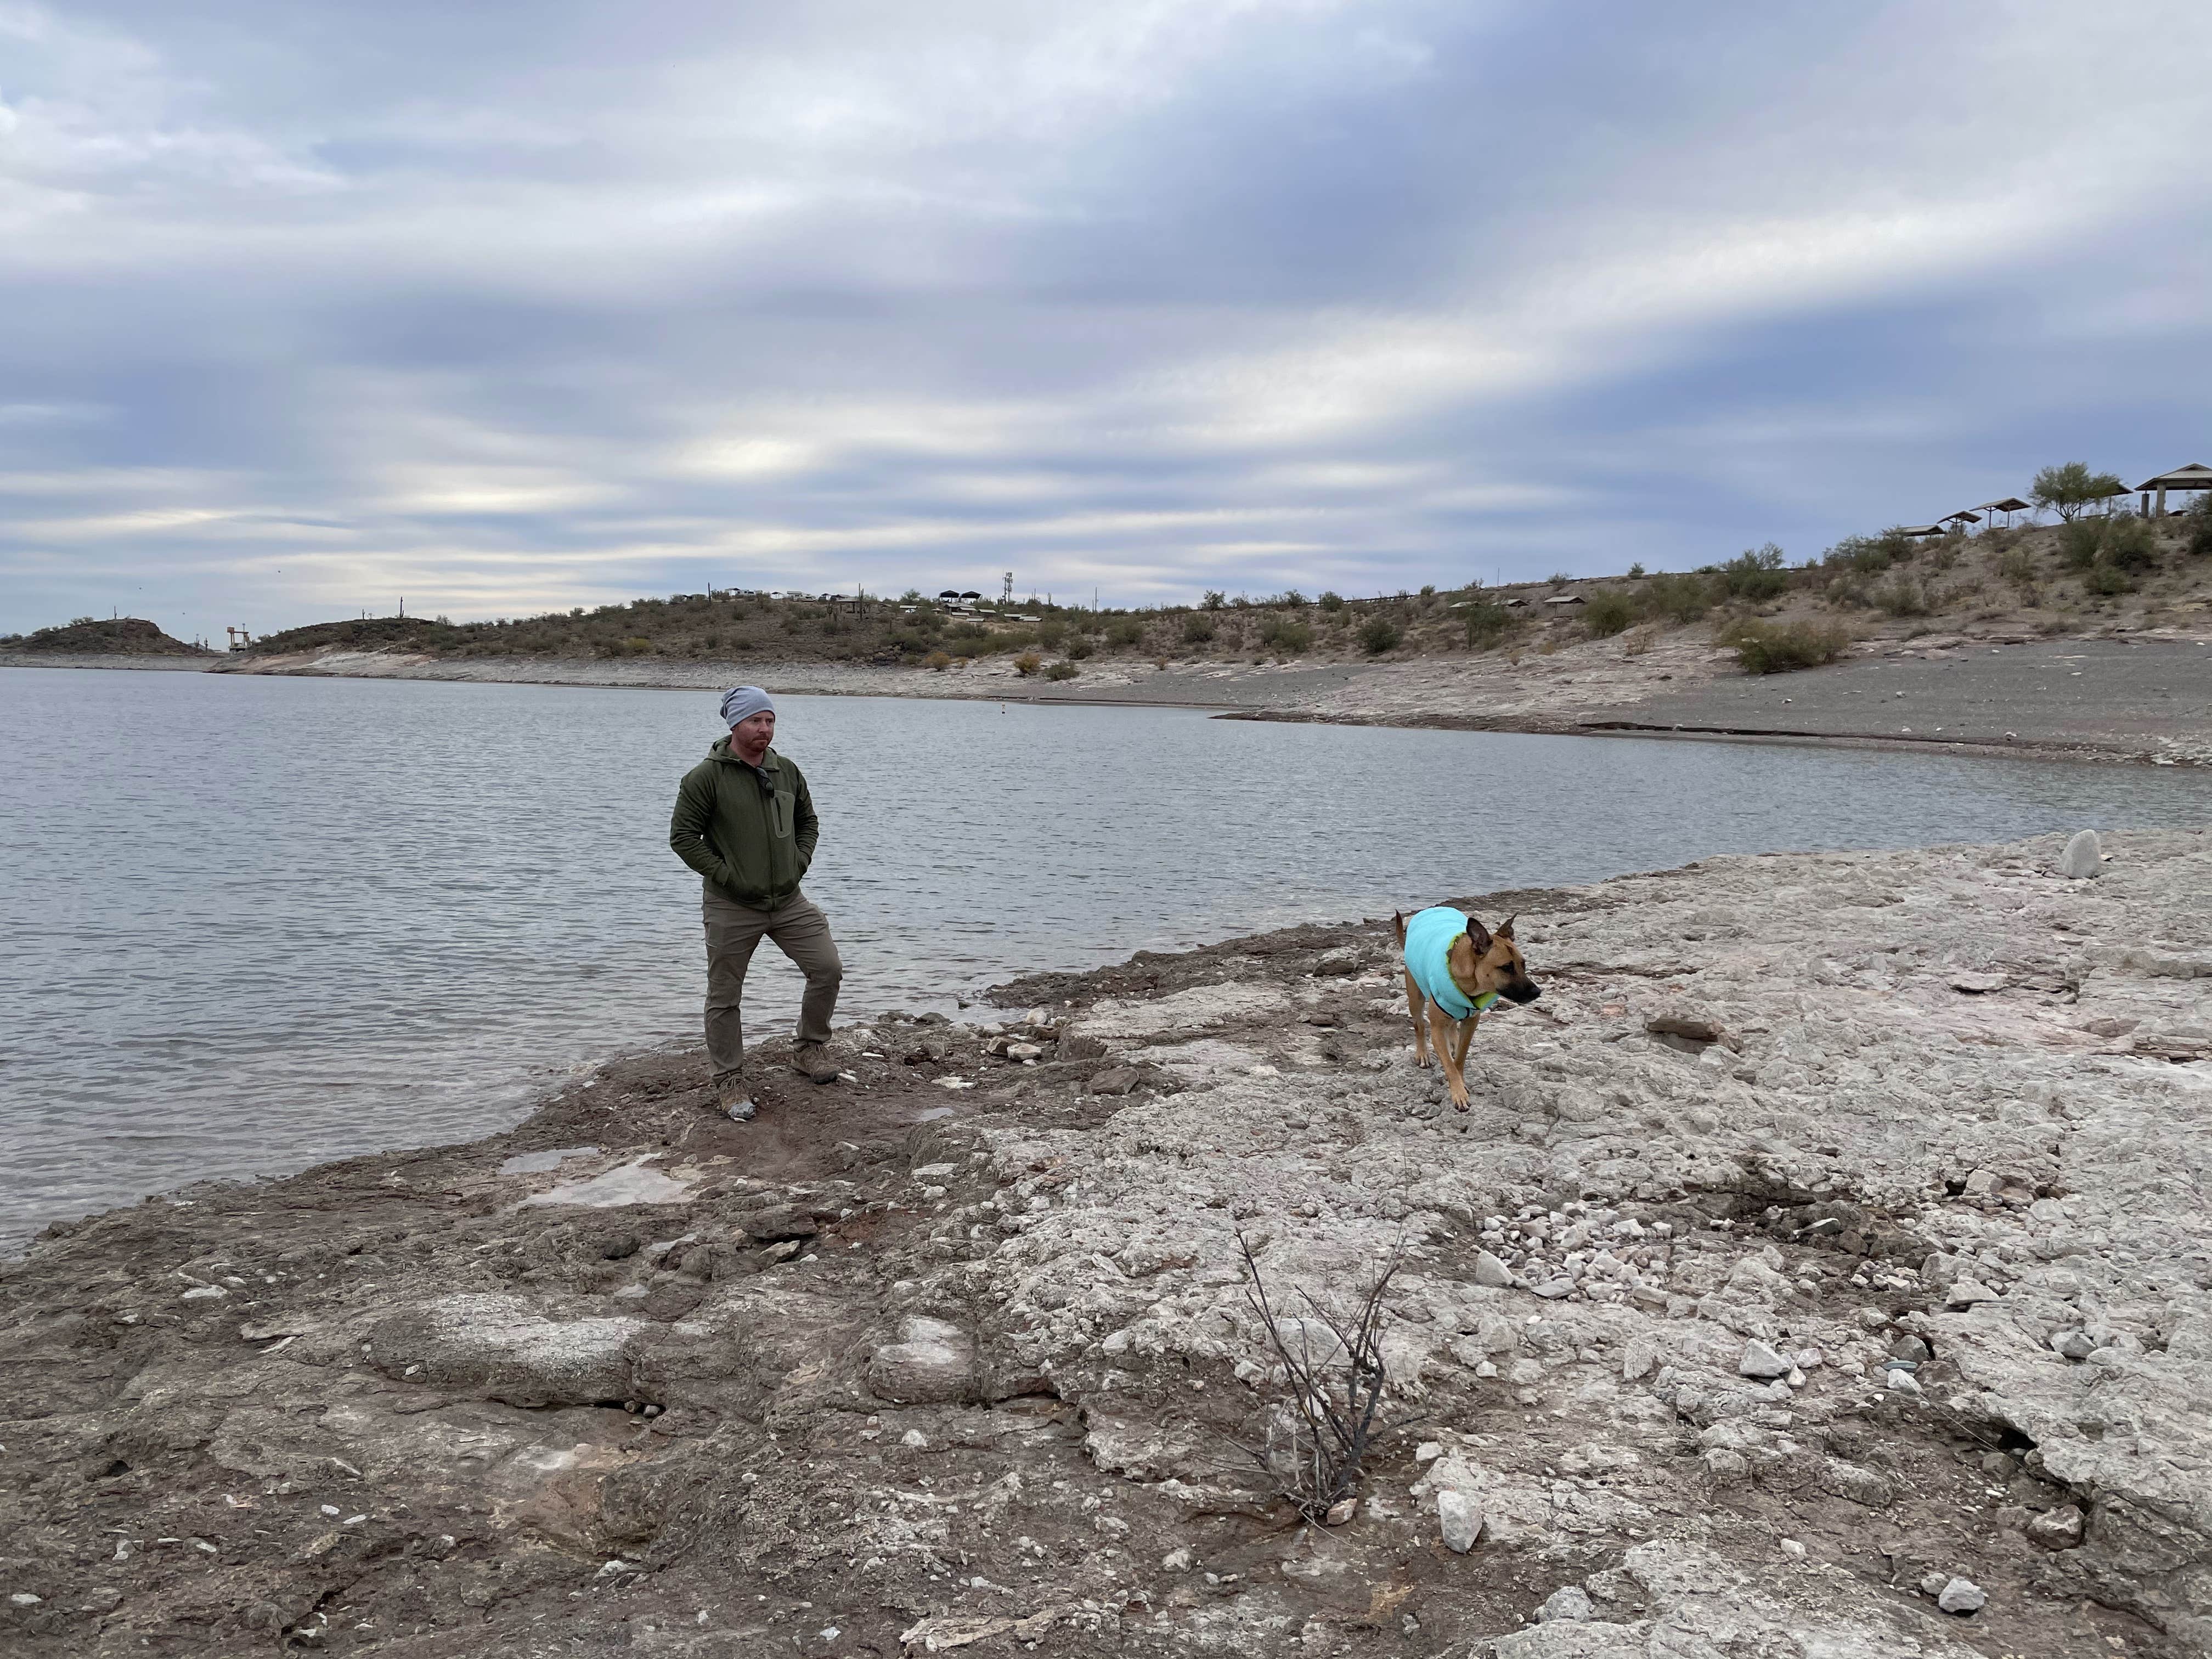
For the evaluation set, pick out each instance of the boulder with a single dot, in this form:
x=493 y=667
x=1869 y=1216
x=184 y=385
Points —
x=2083 y=857
x=773 y=1226
x=2061 y=1528
x=501 y=1347
x=1961 y=1597
x=932 y=1363
x=1460 y=1517
x=1490 y=1270
x=1761 y=1361
x=1572 y=1602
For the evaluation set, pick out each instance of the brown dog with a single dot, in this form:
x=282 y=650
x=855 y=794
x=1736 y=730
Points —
x=1454 y=962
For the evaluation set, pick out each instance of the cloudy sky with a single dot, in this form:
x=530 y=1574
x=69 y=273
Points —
x=499 y=308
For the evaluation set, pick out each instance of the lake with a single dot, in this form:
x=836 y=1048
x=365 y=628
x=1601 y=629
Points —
x=252 y=923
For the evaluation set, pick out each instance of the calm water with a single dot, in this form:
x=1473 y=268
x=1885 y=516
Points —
x=252 y=923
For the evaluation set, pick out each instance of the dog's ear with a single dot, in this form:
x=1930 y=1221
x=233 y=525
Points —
x=1478 y=936
x=1398 y=925
x=1505 y=928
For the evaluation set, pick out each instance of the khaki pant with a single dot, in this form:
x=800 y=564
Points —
x=802 y=933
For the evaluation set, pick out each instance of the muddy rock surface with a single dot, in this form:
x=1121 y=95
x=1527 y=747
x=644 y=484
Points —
x=1822 y=1267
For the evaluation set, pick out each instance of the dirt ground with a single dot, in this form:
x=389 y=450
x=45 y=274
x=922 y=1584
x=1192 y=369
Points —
x=955 y=1353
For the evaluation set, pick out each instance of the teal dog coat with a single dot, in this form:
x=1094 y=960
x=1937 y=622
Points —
x=1429 y=936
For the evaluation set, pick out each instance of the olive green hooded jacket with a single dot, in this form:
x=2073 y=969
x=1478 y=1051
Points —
x=751 y=839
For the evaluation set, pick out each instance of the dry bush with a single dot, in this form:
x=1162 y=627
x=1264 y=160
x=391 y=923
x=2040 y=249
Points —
x=1778 y=647
x=1061 y=671
x=1609 y=611
x=938 y=660
x=1028 y=662
x=1330 y=1414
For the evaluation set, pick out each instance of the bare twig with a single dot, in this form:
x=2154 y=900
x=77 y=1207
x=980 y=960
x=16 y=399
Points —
x=1334 y=1400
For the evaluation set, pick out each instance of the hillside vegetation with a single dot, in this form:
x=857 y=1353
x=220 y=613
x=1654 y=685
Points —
x=2088 y=574
x=122 y=637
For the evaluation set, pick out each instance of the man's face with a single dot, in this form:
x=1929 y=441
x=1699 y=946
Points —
x=751 y=736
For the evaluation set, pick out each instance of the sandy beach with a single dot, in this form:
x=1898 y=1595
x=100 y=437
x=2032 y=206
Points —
x=1823 y=1253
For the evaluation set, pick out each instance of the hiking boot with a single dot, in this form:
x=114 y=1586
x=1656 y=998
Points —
x=811 y=1061
x=735 y=1102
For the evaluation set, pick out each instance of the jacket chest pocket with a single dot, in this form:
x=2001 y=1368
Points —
x=780 y=814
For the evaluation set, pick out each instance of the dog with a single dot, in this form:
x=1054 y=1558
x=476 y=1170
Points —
x=1453 y=963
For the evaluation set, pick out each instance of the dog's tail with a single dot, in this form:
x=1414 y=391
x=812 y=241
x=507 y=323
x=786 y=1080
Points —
x=1398 y=926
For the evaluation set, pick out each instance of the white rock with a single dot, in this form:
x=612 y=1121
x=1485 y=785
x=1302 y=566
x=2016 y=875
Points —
x=1901 y=1382
x=1489 y=1270
x=1965 y=1293
x=1427 y=1452
x=2082 y=858
x=1962 y=1596
x=1760 y=1360
x=1460 y=1517
x=1570 y=1603
x=1175 y=1561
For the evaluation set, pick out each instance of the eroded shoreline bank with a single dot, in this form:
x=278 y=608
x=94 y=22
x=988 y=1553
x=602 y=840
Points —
x=2142 y=697
x=958 y=1349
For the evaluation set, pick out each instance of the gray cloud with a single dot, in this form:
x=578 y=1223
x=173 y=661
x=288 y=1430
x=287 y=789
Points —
x=510 y=307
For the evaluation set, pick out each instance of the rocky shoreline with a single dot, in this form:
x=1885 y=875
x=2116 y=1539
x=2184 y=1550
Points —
x=1823 y=1268
x=2141 y=696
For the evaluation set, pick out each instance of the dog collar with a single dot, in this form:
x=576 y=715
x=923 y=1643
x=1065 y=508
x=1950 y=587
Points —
x=1482 y=1004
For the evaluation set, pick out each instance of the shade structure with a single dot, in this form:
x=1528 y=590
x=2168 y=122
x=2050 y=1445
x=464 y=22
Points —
x=2195 y=476
x=1964 y=515
x=1920 y=530
x=2009 y=504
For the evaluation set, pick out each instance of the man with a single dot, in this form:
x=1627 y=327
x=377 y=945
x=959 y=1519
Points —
x=745 y=820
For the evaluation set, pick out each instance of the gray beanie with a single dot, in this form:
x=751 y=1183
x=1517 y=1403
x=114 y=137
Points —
x=743 y=702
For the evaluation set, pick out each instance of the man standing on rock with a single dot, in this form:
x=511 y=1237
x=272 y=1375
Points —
x=745 y=820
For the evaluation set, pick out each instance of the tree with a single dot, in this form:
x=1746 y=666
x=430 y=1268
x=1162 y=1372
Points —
x=2067 y=488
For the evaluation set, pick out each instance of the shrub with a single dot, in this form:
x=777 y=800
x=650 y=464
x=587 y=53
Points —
x=1756 y=574
x=1777 y=647
x=632 y=647
x=1902 y=596
x=2128 y=544
x=2069 y=486
x=1197 y=628
x=1051 y=633
x=2017 y=566
x=1487 y=621
x=937 y=660
x=1028 y=662
x=1380 y=635
x=1332 y=602
x=1080 y=649
x=1608 y=612
x=1286 y=633
x=1124 y=631
x=1677 y=598
x=1214 y=599
x=2078 y=543
x=2200 y=527
x=2105 y=580
x=1636 y=570
x=1061 y=671
x=1869 y=556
